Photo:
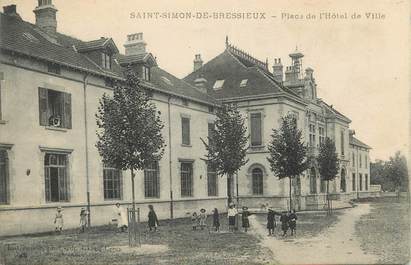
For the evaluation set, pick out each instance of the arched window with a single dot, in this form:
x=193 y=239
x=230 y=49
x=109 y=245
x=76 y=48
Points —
x=257 y=179
x=313 y=181
x=343 y=187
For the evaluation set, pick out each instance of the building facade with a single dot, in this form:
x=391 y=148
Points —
x=50 y=89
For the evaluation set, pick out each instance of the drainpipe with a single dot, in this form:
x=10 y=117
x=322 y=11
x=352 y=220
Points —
x=169 y=158
x=85 y=82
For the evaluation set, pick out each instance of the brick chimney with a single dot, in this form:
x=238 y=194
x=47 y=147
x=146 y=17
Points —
x=278 y=70
x=46 y=16
x=11 y=10
x=290 y=74
x=198 y=63
x=135 y=44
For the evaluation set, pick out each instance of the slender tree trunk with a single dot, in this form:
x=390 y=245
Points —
x=290 y=195
x=229 y=195
x=132 y=190
x=328 y=199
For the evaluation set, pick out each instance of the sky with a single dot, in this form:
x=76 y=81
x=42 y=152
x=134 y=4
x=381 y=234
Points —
x=359 y=50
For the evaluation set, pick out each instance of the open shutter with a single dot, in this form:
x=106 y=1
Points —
x=256 y=129
x=67 y=111
x=43 y=106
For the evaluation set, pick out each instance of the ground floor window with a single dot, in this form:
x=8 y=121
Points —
x=366 y=182
x=152 y=180
x=257 y=179
x=360 y=180
x=113 y=180
x=56 y=177
x=4 y=177
x=186 y=174
x=353 y=181
x=313 y=181
x=212 y=184
x=342 y=181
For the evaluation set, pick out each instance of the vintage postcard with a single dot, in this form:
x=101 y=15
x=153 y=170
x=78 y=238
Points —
x=204 y=132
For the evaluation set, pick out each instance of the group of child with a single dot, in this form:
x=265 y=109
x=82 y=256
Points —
x=288 y=221
x=199 y=220
x=58 y=220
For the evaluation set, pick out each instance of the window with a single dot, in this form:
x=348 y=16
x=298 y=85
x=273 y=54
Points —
x=54 y=108
x=106 y=60
x=186 y=172
x=243 y=82
x=353 y=182
x=366 y=181
x=113 y=183
x=256 y=132
x=353 y=159
x=360 y=180
x=257 y=178
x=212 y=182
x=218 y=84
x=185 y=130
x=56 y=177
x=360 y=157
x=321 y=135
x=152 y=180
x=313 y=181
x=323 y=186
x=343 y=186
x=54 y=68
x=365 y=162
x=1 y=78
x=4 y=177
x=146 y=73
x=312 y=134
x=342 y=143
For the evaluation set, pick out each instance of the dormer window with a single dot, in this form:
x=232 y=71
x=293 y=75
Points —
x=106 y=61
x=243 y=82
x=218 y=84
x=146 y=73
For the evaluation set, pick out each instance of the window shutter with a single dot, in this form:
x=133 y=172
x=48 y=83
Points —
x=43 y=106
x=256 y=129
x=67 y=110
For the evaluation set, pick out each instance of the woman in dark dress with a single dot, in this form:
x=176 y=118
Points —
x=270 y=221
x=244 y=218
x=284 y=222
x=152 y=218
x=216 y=220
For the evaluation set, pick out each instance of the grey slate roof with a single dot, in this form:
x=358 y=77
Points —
x=355 y=141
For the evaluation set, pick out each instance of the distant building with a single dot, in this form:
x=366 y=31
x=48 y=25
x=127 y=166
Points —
x=50 y=88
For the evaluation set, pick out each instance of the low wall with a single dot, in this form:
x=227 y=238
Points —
x=20 y=221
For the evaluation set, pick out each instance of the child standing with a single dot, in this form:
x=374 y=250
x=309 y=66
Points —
x=58 y=220
x=292 y=220
x=152 y=218
x=232 y=212
x=202 y=218
x=284 y=223
x=244 y=217
x=83 y=219
x=194 y=220
x=216 y=220
x=271 y=221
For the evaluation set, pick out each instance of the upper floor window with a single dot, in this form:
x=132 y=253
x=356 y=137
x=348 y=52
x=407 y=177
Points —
x=360 y=158
x=312 y=134
x=185 y=131
x=4 y=177
x=54 y=108
x=106 y=60
x=56 y=177
x=256 y=129
x=218 y=84
x=353 y=159
x=53 y=68
x=113 y=182
x=342 y=143
x=146 y=73
x=152 y=180
x=321 y=131
x=365 y=162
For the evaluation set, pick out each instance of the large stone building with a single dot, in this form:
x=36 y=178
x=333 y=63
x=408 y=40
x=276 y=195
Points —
x=50 y=88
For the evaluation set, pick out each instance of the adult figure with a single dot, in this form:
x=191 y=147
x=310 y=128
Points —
x=271 y=221
x=284 y=222
x=122 y=220
x=232 y=213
